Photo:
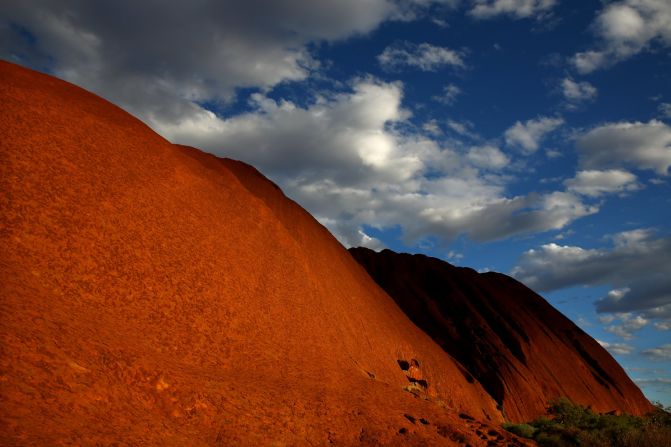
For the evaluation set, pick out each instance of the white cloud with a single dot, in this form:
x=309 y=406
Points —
x=663 y=325
x=350 y=157
x=641 y=145
x=588 y=61
x=627 y=325
x=564 y=235
x=596 y=183
x=577 y=92
x=637 y=267
x=463 y=128
x=354 y=236
x=625 y=28
x=344 y=134
x=449 y=95
x=501 y=217
x=665 y=109
x=487 y=157
x=553 y=153
x=657 y=382
x=660 y=353
x=617 y=348
x=519 y=9
x=654 y=381
x=346 y=159
x=432 y=127
x=423 y=56
x=607 y=319
x=454 y=256
x=528 y=135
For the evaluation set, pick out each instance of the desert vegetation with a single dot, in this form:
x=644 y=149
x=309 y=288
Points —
x=570 y=425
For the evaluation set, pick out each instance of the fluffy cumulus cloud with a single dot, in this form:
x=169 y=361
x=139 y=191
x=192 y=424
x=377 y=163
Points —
x=462 y=128
x=625 y=324
x=636 y=144
x=529 y=135
x=342 y=136
x=486 y=9
x=576 y=92
x=350 y=156
x=346 y=159
x=625 y=28
x=432 y=128
x=596 y=183
x=493 y=218
x=637 y=267
x=423 y=56
x=449 y=94
x=617 y=348
x=488 y=157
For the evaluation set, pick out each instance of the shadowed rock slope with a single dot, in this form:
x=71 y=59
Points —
x=522 y=350
x=153 y=294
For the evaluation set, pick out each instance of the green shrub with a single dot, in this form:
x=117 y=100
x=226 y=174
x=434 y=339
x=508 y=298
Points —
x=571 y=425
x=522 y=430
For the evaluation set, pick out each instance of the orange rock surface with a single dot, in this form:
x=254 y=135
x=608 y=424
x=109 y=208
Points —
x=518 y=346
x=153 y=294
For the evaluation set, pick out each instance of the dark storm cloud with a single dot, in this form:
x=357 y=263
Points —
x=156 y=57
x=632 y=144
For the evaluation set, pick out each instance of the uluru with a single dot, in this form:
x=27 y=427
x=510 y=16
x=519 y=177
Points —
x=156 y=294
x=342 y=222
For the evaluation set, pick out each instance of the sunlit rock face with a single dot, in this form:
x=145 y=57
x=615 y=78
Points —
x=153 y=294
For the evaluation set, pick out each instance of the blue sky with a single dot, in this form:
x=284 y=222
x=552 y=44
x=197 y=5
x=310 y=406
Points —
x=531 y=137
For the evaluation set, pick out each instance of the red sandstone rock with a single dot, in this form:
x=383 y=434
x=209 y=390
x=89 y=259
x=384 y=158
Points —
x=153 y=294
x=518 y=346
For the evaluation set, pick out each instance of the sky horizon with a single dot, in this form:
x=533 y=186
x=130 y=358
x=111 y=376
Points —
x=530 y=137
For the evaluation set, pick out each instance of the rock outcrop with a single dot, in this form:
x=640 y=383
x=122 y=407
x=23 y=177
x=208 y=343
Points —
x=153 y=294
x=522 y=350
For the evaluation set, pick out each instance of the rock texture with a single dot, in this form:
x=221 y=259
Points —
x=522 y=350
x=153 y=294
